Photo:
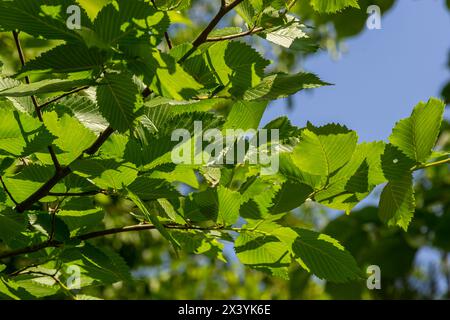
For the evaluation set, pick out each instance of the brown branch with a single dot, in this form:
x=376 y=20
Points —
x=7 y=191
x=65 y=171
x=33 y=98
x=97 y=234
x=166 y=34
x=62 y=96
x=100 y=141
x=202 y=37
x=237 y=35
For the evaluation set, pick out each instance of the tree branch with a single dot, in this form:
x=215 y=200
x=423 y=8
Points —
x=431 y=164
x=76 y=194
x=97 y=234
x=65 y=171
x=237 y=35
x=202 y=37
x=7 y=191
x=33 y=98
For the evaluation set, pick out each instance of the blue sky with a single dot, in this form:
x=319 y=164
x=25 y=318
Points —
x=382 y=76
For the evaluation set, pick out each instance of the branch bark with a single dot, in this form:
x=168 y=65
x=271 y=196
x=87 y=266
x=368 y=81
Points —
x=97 y=234
x=203 y=36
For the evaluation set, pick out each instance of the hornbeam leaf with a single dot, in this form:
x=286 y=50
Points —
x=417 y=135
x=65 y=59
x=72 y=138
x=229 y=204
x=45 y=18
x=323 y=154
x=245 y=115
x=161 y=72
x=290 y=35
x=397 y=202
x=22 y=104
x=45 y=86
x=283 y=85
x=332 y=6
x=153 y=218
x=118 y=99
x=127 y=21
x=235 y=64
x=320 y=254
x=21 y=134
x=106 y=173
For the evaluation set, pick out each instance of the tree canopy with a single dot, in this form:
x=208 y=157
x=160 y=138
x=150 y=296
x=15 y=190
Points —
x=86 y=143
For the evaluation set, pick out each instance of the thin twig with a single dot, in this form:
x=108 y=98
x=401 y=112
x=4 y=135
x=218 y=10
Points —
x=237 y=35
x=102 y=233
x=7 y=191
x=166 y=34
x=431 y=164
x=77 y=194
x=33 y=98
x=42 y=106
x=203 y=36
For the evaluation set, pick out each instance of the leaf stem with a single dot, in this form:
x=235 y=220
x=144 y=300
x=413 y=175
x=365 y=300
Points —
x=7 y=191
x=431 y=164
x=62 y=96
x=237 y=35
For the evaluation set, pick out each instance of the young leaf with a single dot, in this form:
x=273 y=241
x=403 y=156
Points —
x=283 y=85
x=417 y=135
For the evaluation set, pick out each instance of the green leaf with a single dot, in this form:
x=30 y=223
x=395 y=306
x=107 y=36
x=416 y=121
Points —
x=282 y=85
x=22 y=104
x=229 y=204
x=333 y=6
x=12 y=229
x=45 y=86
x=262 y=252
x=72 y=138
x=118 y=100
x=97 y=266
x=397 y=202
x=290 y=35
x=235 y=64
x=106 y=173
x=320 y=254
x=45 y=18
x=126 y=22
x=85 y=110
x=152 y=216
x=21 y=134
x=161 y=72
x=291 y=195
x=65 y=58
x=417 y=135
x=245 y=115
x=147 y=188
x=28 y=181
x=320 y=154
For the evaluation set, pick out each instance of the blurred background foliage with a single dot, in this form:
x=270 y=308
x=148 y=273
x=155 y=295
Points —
x=160 y=273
